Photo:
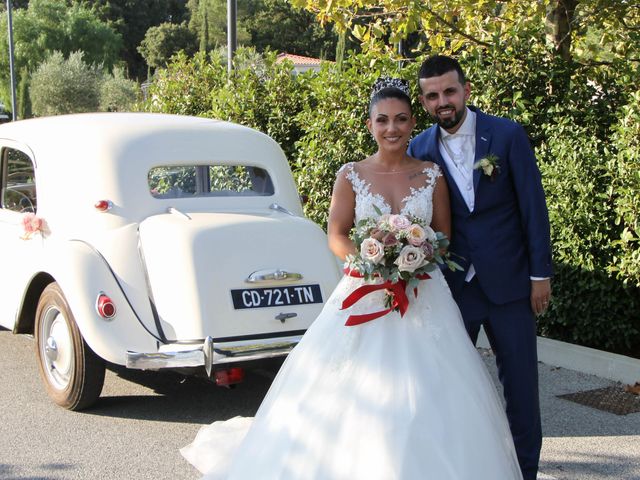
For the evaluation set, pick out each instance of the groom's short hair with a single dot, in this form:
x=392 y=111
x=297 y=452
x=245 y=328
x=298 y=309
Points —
x=439 y=65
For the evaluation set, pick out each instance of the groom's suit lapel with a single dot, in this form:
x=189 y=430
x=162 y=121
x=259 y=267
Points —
x=483 y=142
x=434 y=148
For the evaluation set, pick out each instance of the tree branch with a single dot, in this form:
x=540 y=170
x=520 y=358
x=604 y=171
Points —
x=457 y=30
x=454 y=29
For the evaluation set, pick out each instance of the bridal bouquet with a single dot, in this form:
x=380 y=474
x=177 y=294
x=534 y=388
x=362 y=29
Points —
x=398 y=250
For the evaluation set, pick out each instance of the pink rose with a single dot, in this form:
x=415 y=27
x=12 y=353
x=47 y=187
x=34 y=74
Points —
x=410 y=259
x=416 y=235
x=399 y=222
x=389 y=239
x=372 y=250
x=377 y=234
x=31 y=224
x=427 y=248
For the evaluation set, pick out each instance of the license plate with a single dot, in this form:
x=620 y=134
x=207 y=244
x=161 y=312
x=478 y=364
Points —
x=275 y=296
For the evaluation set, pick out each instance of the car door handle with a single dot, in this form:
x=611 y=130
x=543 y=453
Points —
x=272 y=275
x=280 y=208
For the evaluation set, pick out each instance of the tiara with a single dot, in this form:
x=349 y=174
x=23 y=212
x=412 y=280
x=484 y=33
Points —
x=390 y=82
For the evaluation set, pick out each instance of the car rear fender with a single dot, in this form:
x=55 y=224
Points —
x=83 y=273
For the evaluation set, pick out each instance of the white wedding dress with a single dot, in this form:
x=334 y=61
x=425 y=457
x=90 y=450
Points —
x=392 y=399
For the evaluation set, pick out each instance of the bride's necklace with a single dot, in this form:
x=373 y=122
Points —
x=398 y=169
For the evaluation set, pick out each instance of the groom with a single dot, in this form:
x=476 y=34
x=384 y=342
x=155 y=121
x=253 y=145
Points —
x=500 y=228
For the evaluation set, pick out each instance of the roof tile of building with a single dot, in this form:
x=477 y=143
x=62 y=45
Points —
x=298 y=59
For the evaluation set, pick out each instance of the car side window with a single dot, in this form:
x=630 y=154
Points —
x=209 y=181
x=18 y=181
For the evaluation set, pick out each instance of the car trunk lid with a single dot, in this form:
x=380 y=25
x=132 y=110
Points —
x=235 y=275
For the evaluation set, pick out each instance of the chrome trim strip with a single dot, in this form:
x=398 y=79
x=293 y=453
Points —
x=210 y=353
x=158 y=360
x=271 y=275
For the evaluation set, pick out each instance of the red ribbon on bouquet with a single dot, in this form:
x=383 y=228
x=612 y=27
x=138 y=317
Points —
x=397 y=290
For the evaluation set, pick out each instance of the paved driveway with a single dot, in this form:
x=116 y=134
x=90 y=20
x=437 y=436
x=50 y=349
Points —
x=143 y=418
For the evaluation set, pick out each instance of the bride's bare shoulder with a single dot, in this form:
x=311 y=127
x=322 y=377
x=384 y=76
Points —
x=365 y=162
x=424 y=163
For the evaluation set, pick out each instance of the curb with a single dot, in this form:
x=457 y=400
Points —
x=587 y=360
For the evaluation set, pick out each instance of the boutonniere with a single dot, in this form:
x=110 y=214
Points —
x=31 y=225
x=489 y=165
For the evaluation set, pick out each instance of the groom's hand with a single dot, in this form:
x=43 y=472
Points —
x=540 y=295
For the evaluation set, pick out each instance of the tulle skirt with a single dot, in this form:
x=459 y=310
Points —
x=397 y=398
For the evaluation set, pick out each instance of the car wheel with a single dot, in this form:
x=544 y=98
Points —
x=73 y=374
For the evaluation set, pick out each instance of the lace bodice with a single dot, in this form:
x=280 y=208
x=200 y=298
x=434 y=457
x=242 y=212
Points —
x=418 y=202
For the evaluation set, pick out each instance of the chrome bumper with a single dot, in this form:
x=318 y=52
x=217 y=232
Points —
x=210 y=353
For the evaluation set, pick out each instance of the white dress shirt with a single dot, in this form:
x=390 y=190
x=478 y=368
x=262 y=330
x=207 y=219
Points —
x=458 y=151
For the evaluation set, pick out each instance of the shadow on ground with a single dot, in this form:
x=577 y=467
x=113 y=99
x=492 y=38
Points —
x=181 y=398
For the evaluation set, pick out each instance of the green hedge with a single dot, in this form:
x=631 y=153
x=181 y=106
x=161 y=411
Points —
x=584 y=123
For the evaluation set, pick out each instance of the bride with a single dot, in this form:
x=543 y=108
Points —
x=395 y=398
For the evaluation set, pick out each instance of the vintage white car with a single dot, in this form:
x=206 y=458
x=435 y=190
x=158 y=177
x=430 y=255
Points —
x=156 y=242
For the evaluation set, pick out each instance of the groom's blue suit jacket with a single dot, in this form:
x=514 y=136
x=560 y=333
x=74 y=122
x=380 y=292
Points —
x=506 y=237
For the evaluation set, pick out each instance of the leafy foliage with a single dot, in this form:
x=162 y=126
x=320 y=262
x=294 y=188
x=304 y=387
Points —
x=185 y=85
x=275 y=25
x=624 y=169
x=575 y=29
x=332 y=121
x=131 y=19
x=117 y=93
x=590 y=176
x=162 y=42
x=209 y=22
x=52 y=25
x=62 y=85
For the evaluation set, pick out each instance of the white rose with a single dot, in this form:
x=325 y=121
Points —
x=430 y=234
x=372 y=250
x=416 y=235
x=384 y=218
x=487 y=168
x=399 y=222
x=410 y=259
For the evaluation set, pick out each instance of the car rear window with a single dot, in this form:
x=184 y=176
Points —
x=209 y=181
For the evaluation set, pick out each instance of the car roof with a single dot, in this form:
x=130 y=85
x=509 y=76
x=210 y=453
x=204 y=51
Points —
x=104 y=126
x=109 y=155
x=123 y=136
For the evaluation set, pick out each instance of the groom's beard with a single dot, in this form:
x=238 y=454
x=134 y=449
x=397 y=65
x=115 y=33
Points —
x=448 y=123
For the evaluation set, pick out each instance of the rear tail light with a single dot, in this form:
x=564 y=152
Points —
x=225 y=378
x=103 y=205
x=105 y=306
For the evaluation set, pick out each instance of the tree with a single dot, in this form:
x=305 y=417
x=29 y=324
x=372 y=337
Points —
x=62 y=85
x=117 y=93
x=52 y=25
x=209 y=23
x=132 y=19
x=275 y=25
x=162 y=42
x=452 y=25
x=16 y=4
